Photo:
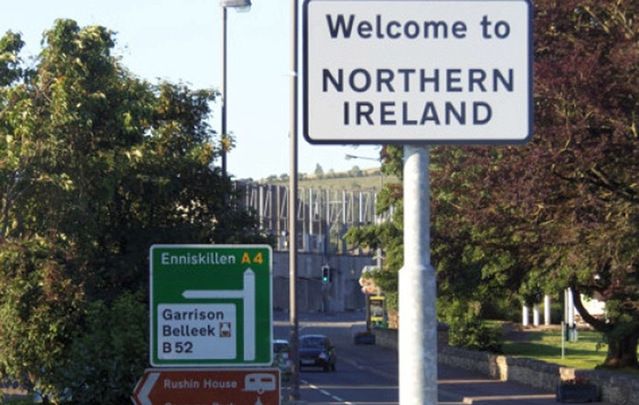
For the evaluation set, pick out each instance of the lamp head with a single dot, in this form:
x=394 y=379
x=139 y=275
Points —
x=240 y=5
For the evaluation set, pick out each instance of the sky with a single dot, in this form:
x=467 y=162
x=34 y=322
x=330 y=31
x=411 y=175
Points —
x=181 y=41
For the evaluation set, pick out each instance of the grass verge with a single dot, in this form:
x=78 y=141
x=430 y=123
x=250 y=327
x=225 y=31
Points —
x=587 y=352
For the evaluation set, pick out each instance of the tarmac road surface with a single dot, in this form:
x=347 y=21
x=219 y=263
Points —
x=368 y=374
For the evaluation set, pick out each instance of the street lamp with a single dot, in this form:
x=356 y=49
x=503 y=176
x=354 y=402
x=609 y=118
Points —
x=242 y=5
x=348 y=157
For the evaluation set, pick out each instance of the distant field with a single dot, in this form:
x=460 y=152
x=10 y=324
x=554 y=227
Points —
x=366 y=182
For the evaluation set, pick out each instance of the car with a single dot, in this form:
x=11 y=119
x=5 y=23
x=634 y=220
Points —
x=317 y=351
x=281 y=358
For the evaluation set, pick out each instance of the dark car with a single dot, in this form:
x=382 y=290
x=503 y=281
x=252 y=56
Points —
x=317 y=351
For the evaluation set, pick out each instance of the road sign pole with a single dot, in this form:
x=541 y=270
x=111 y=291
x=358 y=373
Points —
x=353 y=96
x=417 y=315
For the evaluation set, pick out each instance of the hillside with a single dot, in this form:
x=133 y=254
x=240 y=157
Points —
x=365 y=179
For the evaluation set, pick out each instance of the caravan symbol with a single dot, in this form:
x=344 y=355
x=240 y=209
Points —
x=259 y=382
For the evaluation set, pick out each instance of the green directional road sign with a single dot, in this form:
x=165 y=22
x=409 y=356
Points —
x=210 y=305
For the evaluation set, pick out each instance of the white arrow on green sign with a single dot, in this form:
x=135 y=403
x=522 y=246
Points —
x=210 y=305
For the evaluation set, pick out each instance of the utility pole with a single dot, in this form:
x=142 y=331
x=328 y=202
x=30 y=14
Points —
x=292 y=214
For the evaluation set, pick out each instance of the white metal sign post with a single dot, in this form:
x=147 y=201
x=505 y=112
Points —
x=417 y=72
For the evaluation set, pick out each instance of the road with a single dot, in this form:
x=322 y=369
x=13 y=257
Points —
x=354 y=381
x=368 y=374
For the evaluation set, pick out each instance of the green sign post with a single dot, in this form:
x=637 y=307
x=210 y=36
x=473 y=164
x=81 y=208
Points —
x=211 y=305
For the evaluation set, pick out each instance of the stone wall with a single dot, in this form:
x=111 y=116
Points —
x=615 y=388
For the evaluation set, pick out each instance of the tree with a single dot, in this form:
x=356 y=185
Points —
x=319 y=172
x=356 y=171
x=563 y=210
x=584 y=162
x=95 y=167
x=566 y=206
x=386 y=235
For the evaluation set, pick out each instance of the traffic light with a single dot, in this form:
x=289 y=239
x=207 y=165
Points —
x=326 y=274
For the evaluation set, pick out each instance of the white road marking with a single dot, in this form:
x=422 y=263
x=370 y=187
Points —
x=323 y=391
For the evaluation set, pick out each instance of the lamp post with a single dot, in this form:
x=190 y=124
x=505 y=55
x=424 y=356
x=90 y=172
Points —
x=239 y=5
x=292 y=204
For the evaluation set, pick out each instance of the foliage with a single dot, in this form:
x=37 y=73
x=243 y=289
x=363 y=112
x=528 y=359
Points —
x=563 y=211
x=109 y=354
x=96 y=165
x=356 y=172
x=466 y=328
x=40 y=308
x=573 y=191
x=387 y=235
x=466 y=271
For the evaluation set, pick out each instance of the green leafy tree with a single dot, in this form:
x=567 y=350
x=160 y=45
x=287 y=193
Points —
x=388 y=234
x=562 y=211
x=39 y=310
x=579 y=176
x=463 y=268
x=355 y=172
x=96 y=165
